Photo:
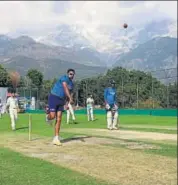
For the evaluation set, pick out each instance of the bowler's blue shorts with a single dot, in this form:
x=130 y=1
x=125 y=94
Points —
x=55 y=103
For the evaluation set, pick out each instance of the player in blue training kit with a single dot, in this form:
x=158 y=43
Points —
x=59 y=96
x=110 y=99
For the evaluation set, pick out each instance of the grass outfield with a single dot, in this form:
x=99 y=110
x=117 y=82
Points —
x=17 y=169
x=87 y=162
x=141 y=123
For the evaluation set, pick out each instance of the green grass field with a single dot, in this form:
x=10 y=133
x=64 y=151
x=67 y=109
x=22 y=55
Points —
x=142 y=123
x=17 y=169
x=143 y=141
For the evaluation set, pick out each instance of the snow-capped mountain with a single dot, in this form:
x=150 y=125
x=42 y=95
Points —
x=110 y=42
x=79 y=45
x=158 y=53
x=157 y=29
x=66 y=36
x=24 y=53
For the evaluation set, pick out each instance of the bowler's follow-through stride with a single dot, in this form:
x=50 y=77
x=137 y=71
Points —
x=59 y=96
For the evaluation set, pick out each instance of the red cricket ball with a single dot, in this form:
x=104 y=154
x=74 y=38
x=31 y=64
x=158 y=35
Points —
x=125 y=25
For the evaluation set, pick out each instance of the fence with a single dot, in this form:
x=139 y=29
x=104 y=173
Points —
x=135 y=94
x=131 y=94
x=152 y=112
x=28 y=93
x=167 y=77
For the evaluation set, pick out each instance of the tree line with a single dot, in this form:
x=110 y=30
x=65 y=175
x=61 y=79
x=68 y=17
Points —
x=135 y=89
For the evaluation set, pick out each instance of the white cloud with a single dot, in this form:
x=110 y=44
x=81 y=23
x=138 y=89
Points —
x=166 y=8
x=39 y=16
x=115 y=12
x=25 y=14
x=93 y=15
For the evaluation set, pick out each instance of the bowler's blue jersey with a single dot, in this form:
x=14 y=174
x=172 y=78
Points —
x=110 y=95
x=58 y=88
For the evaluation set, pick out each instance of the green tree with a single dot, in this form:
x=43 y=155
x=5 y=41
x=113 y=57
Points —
x=45 y=90
x=172 y=95
x=4 y=78
x=22 y=82
x=36 y=77
x=134 y=89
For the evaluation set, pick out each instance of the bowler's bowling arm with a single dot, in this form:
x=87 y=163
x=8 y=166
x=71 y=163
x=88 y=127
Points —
x=67 y=91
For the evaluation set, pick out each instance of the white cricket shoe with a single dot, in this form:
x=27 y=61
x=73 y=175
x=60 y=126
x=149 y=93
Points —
x=13 y=128
x=110 y=128
x=56 y=141
x=115 y=128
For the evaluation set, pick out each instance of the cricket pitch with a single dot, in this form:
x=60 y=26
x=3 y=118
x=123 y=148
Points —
x=98 y=158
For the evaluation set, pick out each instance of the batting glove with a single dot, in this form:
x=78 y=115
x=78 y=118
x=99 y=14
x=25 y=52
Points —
x=116 y=107
x=107 y=106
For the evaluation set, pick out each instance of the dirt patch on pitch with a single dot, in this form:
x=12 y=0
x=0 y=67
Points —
x=151 y=126
x=88 y=155
x=123 y=134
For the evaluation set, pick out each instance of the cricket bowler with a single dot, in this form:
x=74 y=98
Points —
x=59 y=96
x=111 y=106
x=12 y=104
x=90 y=105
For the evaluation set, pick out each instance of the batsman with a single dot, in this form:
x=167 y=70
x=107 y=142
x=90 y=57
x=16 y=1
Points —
x=111 y=106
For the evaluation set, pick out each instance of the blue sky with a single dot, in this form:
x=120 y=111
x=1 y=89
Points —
x=39 y=16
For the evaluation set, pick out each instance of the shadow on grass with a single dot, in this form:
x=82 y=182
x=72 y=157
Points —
x=81 y=138
x=22 y=128
x=93 y=120
x=75 y=122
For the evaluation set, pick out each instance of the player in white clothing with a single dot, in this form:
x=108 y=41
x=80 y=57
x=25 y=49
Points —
x=12 y=104
x=70 y=111
x=90 y=105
